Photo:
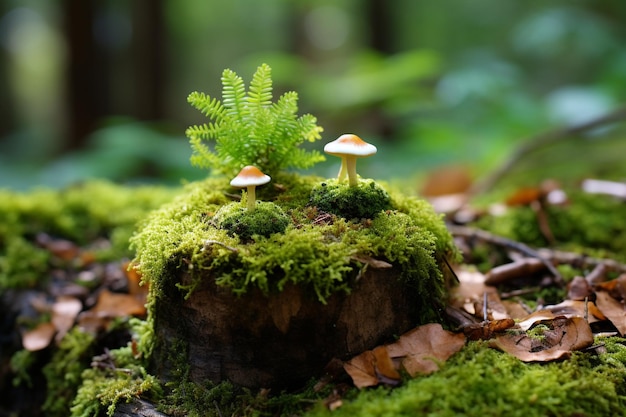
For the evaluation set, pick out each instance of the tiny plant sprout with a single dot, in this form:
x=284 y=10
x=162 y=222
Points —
x=250 y=177
x=349 y=147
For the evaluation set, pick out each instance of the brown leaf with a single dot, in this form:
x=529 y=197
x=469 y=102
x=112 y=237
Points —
x=423 y=348
x=540 y=315
x=471 y=289
x=572 y=308
x=616 y=287
x=446 y=180
x=524 y=196
x=562 y=336
x=110 y=305
x=579 y=289
x=613 y=309
x=385 y=369
x=515 y=309
x=371 y=368
x=64 y=312
x=487 y=329
x=38 y=338
x=361 y=370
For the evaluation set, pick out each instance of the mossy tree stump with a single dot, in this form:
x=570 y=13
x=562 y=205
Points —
x=279 y=340
x=272 y=311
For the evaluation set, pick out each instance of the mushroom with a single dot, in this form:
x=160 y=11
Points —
x=250 y=177
x=349 y=147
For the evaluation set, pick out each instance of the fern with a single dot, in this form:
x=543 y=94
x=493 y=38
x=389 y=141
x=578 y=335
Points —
x=250 y=129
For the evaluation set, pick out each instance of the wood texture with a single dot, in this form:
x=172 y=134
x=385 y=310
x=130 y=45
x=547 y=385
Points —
x=280 y=341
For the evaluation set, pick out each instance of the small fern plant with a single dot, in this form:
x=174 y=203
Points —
x=249 y=129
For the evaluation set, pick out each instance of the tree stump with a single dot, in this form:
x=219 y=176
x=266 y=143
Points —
x=278 y=341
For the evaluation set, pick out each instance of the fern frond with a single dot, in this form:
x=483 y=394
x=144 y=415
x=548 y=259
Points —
x=234 y=95
x=307 y=124
x=260 y=91
x=248 y=129
x=211 y=108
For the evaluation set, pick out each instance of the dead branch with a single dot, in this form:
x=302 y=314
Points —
x=471 y=233
x=541 y=140
x=548 y=256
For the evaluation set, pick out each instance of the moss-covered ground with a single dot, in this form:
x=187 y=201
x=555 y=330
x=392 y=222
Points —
x=87 y=375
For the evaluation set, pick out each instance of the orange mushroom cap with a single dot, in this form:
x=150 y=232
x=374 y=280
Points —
x=350 y=144
x=250 y=176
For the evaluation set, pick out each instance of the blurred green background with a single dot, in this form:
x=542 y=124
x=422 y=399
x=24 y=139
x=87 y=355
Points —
x=94 y=88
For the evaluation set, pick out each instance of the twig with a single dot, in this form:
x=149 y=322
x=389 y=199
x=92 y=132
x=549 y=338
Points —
x=210 y=242
x=547 y=256
x=544 y=139
x=580 y=260
x=471 y=233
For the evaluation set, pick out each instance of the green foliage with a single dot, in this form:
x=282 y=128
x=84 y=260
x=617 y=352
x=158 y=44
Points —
x=265 y=220
x=81 y=213
x=63 y=372
x=103 y=389
x=21 y=363
x=249 y=129
x=590 y=222
x=482 y=382
x=363 y=201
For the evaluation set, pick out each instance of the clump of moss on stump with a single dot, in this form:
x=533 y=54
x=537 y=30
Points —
x=265 y=220
x=362 y=201
x=411 y=236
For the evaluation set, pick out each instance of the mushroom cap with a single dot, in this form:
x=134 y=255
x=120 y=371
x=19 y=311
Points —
x=248 y=176
x=350 y=144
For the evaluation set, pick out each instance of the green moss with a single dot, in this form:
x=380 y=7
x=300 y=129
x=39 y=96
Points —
x=593 y=223
x=103 y=388
x=22 y=264
x=363 y=201
x=63 y=372
x=265 y=220
x=81 y=213
x=319 y=253
x=479 y=381
x=21 y=363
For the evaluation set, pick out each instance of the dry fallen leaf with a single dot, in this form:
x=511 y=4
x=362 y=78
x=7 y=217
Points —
x=422 y=349
x=487 y=329
x=371 y=368
x=579 y=289
x=561 y=336
x=572 y=308
x=64 y=312
x=361 y=370
x=39 y=337
x=616 y=288
x=614 y=310
x=471 y=289
x=385 y=369
x=110 y=305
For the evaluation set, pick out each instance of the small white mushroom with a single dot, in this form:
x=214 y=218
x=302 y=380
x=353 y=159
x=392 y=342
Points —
x=250 y=177
x=349 y=147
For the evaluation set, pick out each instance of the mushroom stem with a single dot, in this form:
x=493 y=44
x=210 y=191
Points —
x=251 y=197
x=353 y=180
x=343 y=171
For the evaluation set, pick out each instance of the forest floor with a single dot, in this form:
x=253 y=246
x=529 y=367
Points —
x=536 y=319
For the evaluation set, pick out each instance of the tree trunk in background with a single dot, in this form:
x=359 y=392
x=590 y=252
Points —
x=95 y=68
x=150 y=59
x=87 y=84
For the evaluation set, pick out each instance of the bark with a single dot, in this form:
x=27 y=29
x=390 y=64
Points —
x=277 y=341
